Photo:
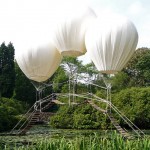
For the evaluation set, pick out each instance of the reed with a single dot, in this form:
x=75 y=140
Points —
x=93 y=142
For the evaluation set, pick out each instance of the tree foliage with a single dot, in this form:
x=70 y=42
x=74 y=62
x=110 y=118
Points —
x=79 y=117
x=134 y=103
x=9 y=109
x=120 y=81
x=24 y=90
x=7 y=70
x=136 y=73
x=59 y=81
x=138 y=68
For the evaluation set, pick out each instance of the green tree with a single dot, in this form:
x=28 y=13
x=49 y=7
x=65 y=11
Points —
x=24 y=90
x=59 y=80
x=9 y=111
x=79 y=117
x=136 y=73
x=143 y=69
x=70 y=66
x=7 y=70
x=138 y=68
x=63 y=119
x=120 y=81
x=135 y=104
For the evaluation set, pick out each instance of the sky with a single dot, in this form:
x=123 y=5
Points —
x=18 y=18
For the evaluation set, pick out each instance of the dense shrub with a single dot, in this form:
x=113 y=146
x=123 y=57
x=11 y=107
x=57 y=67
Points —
x=79 y=117
x=9 y=109
x=135 y=104
x=64 y=118
x=132 y=102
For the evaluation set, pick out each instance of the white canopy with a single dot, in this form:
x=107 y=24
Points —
x=111 y=41
x=70 y=29
x=39 y=63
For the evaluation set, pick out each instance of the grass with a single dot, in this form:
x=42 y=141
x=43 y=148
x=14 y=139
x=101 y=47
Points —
x=92 y=142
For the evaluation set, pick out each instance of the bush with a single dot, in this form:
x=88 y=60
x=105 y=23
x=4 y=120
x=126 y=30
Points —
x=132 y=102
x=9 y=108
x=135 y=104
x=63 y=119
x=78 y=117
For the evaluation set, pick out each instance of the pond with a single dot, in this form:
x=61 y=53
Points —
x=39 y=133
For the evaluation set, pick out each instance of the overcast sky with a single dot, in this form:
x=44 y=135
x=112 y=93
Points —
x=17 y=17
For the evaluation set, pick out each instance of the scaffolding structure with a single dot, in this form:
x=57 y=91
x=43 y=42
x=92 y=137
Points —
x=35 y=113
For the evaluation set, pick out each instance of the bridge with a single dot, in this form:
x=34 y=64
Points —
x=36 y=114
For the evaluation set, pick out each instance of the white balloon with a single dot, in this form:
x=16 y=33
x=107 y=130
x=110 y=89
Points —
x=69 y=34
x=38 y=63
x=35 y=53
x=111 y=41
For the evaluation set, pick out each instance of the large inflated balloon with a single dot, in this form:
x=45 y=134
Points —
x=39 y=63
x=111 y=41
x=69 y=34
